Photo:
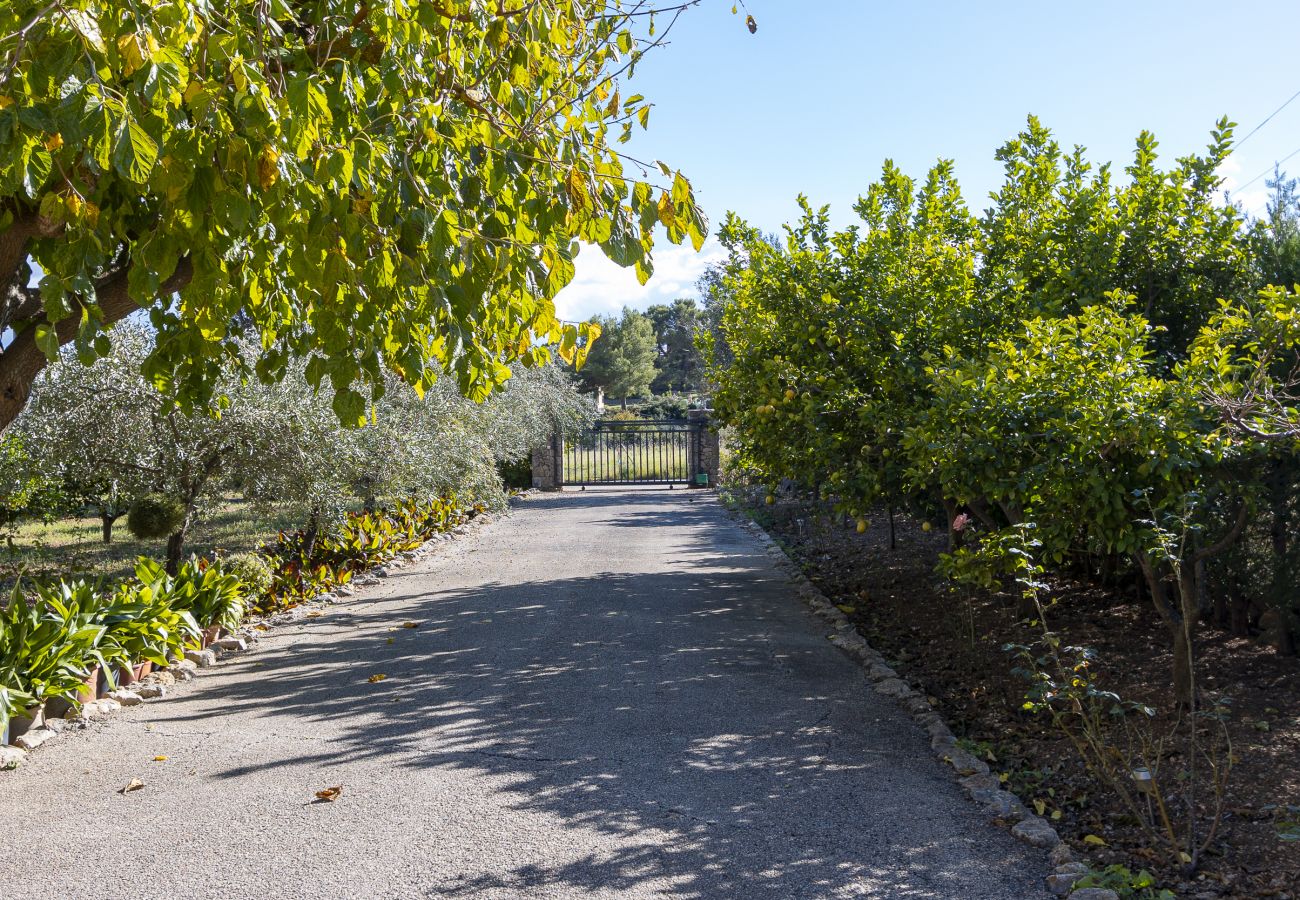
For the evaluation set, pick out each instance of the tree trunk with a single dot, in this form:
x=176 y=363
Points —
x=22 y=360
x=176 y=542
x=106 y=523
x=175 y=549
x=1182 y=667
x=1171 y=615
x=312 y=532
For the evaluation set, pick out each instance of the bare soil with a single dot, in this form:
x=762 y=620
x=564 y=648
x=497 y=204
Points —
x=950 y=643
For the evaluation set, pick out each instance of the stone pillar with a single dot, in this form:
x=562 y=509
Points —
x=548 y=463
x=709 y=460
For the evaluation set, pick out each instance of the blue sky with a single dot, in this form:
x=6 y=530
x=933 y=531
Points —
x=828 y=89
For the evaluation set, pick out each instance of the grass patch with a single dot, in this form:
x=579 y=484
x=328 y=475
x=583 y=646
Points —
x=73 y=546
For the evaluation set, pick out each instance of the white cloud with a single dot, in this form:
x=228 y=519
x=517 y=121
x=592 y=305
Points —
x=601 y=287
x=1253 y=200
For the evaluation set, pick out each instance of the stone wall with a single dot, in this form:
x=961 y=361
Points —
x=547 y=464
x=710 y=459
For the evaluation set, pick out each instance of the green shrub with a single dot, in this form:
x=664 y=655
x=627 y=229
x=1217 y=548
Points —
x=254 y=572
x=48 y=644
x=155 y=516
x=665 y=406
x=517 y=474
x=201 y=588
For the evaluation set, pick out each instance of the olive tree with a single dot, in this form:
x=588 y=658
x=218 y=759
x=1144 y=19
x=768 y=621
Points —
x=106 y=423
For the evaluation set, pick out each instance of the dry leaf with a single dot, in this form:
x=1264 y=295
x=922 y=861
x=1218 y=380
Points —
x=375 y=679
x=314 y=614
x=330 y=794
x=160 y=759
x=260 y=627
x=410 y=624
x=390 y=640
x=133 y=785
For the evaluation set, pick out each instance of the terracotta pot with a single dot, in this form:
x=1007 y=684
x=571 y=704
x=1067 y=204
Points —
x=32 y=717
x=59 y=707
x=210 y=634
x=90 y=687
x=133 y=673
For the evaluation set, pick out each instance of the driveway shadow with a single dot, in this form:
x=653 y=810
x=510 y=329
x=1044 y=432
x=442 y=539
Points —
x=694 y=713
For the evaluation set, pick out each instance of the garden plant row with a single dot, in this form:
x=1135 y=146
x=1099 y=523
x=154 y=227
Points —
x=68 y=648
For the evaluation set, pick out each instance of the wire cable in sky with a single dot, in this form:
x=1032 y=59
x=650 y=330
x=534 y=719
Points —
x=1266 y=120
x=1242 y=187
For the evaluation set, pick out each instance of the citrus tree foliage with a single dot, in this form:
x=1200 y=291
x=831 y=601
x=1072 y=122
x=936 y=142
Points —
x=367 y=185
x=1088 y=358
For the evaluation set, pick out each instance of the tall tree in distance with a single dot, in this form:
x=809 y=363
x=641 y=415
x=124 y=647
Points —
x=680 y=363
x=622 y=362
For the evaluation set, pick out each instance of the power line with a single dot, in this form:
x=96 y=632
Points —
x=1242 y=187
x=1266 y=120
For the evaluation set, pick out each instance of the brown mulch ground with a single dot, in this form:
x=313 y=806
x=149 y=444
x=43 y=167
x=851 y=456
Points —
x=949 y=643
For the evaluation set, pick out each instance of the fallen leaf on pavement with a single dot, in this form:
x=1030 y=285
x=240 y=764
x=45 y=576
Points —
x=330 y=794
x=133 y=785
x=160 y=759
x=375 y=679
x=410 y=624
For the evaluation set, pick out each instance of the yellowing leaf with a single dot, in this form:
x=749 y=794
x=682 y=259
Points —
x=1094 y=840
x=846 y=608
x=375 y=679
x=1040 y=807
x=268 y=170
x=410 y=624
x=129 y=48
x=160 y=759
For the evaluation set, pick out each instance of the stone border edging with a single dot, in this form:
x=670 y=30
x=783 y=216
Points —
x=972 y=773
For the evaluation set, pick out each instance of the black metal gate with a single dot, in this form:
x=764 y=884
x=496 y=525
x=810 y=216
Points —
x=633 y=452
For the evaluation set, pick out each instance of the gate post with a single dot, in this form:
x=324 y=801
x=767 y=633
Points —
x=548 y=461
x=708 y=450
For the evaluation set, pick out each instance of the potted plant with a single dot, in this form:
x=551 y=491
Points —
x=47 y=647
x=78 y=607
x=212 y=597
x=145 y=629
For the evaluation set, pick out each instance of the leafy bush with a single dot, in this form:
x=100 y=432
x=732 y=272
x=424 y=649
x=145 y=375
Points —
x=254 y=572
x=200 y=587
x=305 y=564
x=665 y=406
x=46 y=647
x=1120 y=879
x=155 y=516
